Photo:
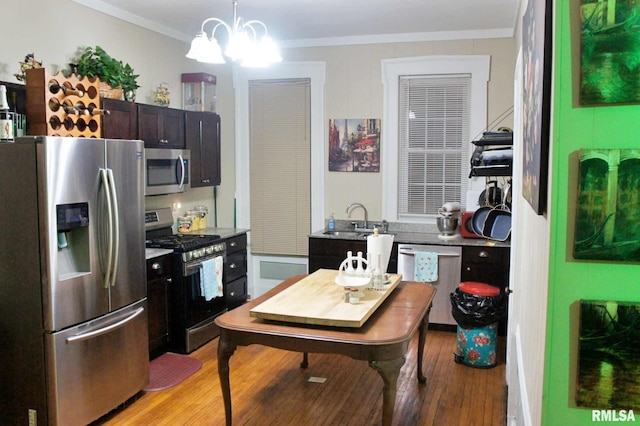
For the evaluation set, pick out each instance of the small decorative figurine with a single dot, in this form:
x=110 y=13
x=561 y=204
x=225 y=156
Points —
x=29 y=63
x=162 y=95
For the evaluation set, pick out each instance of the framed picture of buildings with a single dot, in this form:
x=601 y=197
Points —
x=609 y=45
x=608 y=208
x=536 y=64
x=354 y=145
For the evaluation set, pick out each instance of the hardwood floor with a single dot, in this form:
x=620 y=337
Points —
x=268 y=387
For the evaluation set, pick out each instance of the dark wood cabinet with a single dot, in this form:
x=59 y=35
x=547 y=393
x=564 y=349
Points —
x=235 y=271
x=122 y=120
x=158 y=281
x=161 y=127
x=203 y=139
x=328 y=253
x=488 y=265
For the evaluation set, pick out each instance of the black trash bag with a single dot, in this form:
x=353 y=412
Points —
x=472 y=311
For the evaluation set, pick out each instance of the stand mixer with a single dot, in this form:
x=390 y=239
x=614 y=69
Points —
x=447 y=221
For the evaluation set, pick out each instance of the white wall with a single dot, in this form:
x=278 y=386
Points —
x=528 y=303
x=54 y=30
x=354 y=90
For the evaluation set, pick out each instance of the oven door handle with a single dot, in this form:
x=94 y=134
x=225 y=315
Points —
x=411 y=252
x=191 y=268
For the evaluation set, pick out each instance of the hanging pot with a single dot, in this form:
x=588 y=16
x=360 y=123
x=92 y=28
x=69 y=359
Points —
x=491 y=196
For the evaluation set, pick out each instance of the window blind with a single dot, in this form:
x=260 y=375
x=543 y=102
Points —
x=434 y=115
x=280 y=169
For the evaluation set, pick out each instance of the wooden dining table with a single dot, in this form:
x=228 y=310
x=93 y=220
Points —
x=382 y=341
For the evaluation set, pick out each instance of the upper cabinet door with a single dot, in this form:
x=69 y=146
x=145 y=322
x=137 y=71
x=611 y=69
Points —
x=122 y=120
x=203 y=139
x=161 y=127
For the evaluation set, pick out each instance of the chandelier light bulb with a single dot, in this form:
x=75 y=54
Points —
x=244 y=44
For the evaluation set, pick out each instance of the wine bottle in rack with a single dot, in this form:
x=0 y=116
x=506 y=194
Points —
x=94 y=110
x=55 y=123
x=6 y=117
x=55 y=87
x=69 y=108
x=68 y=124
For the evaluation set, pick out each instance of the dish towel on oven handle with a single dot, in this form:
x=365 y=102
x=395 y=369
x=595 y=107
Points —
x=211 y=278
x=426 y=266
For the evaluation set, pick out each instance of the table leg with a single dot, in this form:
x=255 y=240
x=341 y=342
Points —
x=225 y=350
x=389 y=371
x=422 y=337
x=305 y=360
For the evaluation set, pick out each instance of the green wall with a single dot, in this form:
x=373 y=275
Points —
x=575 y=128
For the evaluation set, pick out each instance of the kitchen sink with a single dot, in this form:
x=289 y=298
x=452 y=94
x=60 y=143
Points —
x=348 y=234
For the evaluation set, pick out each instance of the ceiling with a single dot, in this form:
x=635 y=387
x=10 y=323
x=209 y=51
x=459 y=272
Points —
x=302 y=23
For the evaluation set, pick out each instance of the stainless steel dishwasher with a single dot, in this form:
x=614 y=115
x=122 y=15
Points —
x=449 y=263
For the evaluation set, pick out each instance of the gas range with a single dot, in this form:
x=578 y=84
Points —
x=159 y=234
x=192 y=307
x=190 y=247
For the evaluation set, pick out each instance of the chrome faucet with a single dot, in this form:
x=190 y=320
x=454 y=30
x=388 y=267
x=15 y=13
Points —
x=366 y=214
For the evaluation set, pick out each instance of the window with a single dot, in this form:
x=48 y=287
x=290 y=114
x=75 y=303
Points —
x=433 y=139
x=432 y=105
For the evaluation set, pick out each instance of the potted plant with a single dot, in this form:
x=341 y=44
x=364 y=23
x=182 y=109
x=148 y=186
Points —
x=96 y=62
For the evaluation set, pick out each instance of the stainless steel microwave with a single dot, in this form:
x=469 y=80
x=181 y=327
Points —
x=167 y=171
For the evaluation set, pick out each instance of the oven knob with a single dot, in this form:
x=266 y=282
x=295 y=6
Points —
x=209 y=250
x=196 y=254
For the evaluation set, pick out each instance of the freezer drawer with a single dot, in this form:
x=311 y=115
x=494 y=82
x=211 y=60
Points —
x=449 y=265
x=96 y=366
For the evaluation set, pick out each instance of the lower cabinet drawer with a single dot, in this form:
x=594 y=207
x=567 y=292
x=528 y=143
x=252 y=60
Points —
x=235 y=266
x=235 y=292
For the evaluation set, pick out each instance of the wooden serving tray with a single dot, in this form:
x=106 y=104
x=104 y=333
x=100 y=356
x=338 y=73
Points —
x=317 y=299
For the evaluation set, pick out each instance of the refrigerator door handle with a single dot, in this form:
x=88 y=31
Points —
x=108 y=269
x=104 y=330
x=182 y=167
x=116 y=226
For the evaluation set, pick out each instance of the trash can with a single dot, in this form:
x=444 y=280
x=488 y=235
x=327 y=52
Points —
x=476 y=307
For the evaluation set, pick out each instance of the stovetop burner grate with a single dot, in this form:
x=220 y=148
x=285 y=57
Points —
x=180 y=242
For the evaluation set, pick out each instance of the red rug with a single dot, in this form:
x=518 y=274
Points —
x=169 y=369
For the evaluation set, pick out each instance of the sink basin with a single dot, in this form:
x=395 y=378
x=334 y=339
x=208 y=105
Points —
x=350 y=234
x=347 y=234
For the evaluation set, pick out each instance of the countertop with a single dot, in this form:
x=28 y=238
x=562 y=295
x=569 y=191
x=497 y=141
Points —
x=425 y=234
x=224 y=233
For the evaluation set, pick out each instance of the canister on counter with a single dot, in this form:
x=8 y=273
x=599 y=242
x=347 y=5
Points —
x=202 y=212
x=195 y=219
x=184 y=224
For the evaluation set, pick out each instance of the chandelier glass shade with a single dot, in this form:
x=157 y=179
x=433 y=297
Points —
x=248 y=43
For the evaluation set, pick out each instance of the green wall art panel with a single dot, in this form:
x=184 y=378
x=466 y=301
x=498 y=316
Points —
x=610 y=52
x=609 y=355
x=608 y=210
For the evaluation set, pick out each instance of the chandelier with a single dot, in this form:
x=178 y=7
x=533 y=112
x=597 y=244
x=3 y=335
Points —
x=243 y=44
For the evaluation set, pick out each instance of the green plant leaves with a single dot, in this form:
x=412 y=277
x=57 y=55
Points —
x=96 y=62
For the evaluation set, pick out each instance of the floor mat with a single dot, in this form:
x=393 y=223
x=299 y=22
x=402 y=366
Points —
x=169 y=369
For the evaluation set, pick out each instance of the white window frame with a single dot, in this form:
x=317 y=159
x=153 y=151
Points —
x=475 y=65
x=241 y=76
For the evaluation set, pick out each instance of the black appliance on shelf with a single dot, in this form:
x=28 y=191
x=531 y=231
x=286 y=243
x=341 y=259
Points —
x=191 y=315
x=493 y=155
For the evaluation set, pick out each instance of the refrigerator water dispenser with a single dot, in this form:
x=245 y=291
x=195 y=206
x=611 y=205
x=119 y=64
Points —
x=73 y=239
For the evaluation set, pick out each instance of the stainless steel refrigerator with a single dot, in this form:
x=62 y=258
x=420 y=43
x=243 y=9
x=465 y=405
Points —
x=73 y=313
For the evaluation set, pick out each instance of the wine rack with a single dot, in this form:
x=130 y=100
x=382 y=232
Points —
x=63 y=106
